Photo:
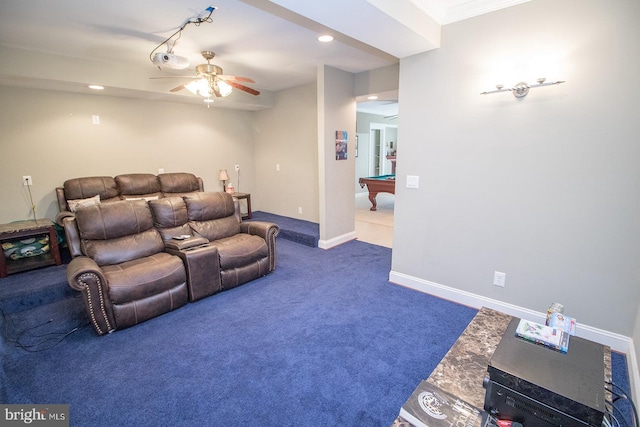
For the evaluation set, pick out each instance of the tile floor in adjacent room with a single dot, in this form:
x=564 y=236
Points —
x=375 y=227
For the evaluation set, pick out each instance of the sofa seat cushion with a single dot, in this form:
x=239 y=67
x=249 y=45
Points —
x=138 y=311
x=216 y=229
x=144 y=277
x=240 y=250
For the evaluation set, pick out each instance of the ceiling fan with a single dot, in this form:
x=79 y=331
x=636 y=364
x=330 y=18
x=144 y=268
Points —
x=210 y=80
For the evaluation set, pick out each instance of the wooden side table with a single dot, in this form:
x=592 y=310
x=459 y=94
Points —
x=29 y=228
x=247 y=197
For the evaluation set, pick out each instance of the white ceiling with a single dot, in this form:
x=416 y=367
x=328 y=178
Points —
x=67 y=44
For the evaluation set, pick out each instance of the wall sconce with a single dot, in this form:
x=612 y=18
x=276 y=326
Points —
x=224 y=177
x=522 y=89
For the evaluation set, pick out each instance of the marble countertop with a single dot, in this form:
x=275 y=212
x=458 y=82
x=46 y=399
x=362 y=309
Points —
x=462 y=371
x=26 y=225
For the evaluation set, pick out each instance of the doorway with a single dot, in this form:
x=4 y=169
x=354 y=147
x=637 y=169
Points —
x=383 y=145
x=377 y=138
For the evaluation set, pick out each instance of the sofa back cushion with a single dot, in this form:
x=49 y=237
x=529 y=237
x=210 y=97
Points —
x=170 y=217
x=179 y=183
x=212 y=215
x=85 y=188
x=116 y=232
x=134 y=186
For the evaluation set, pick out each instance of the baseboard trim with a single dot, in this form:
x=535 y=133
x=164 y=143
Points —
x=634 y=374
x=617 y=342
x=328 y=244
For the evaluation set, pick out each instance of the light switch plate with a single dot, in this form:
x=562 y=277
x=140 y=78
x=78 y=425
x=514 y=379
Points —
x=413 y=181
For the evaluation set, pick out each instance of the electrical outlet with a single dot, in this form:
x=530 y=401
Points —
x=499 y=278
x=26 y=180
x=278 y=167
x=237 y=168
x=160 y=171
x=300 y=210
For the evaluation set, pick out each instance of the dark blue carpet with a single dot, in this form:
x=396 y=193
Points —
x=325 y=340
x=304 y=232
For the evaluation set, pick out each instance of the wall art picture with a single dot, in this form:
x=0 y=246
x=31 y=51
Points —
x=341 y=144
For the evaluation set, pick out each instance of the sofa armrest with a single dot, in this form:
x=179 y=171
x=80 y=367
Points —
x=84 y=275
x=202 y=265
x=182 y=244
x=61 y=198
x=61 y=216
x=72 y=235
x=236 y=210
x=268 y=231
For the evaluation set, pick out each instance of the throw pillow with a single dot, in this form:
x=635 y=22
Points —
x=76 y=204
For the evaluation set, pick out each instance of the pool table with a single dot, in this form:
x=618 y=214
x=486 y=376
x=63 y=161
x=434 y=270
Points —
x=378 y=184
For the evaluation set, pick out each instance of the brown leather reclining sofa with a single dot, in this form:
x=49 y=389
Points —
x=87 y=191
x=135 y=258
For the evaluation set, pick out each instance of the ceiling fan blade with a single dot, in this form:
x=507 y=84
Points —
x=235 y=78
x=243 y=88
x=176 y=89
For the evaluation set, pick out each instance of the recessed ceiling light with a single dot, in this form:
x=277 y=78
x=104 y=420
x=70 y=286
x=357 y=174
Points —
x=372 y=97
x=96 y=87
x=325 y=38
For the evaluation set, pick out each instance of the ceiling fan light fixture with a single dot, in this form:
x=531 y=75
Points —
x=200 y=87
x=223 y=87
x=211 y=80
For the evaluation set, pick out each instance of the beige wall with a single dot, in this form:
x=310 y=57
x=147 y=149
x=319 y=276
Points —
x=286 y=135
x=543 y=188
x=336 y=112
x=50 y=136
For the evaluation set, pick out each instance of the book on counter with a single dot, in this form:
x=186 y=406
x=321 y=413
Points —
x=559 y=320
x=430 y=406
x=548 y=336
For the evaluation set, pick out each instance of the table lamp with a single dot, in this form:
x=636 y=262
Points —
x=223 y=176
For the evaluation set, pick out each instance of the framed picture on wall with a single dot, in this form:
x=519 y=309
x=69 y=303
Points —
x=341 y=144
